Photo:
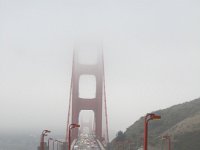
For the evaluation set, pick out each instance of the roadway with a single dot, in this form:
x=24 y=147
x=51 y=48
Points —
x=87 y=142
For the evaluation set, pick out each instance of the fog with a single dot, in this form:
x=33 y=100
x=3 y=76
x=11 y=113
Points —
x=151 y=52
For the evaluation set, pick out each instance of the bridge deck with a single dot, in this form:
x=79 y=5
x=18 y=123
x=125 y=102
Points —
x=87 y=142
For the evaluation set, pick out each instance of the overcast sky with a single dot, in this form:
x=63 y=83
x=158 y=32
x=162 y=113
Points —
x=151 y=52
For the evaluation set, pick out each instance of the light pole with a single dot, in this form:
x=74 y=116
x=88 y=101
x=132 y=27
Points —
x=71 y=126
x=49 y=141
x=148 y=117
x=58 y=142
x=167 y=137
x=44 y=133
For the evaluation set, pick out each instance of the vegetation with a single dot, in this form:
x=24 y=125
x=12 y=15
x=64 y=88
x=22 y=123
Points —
x=181 y=122
x=120 y=136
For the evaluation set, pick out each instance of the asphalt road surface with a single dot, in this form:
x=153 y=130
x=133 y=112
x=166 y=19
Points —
x=86 y=142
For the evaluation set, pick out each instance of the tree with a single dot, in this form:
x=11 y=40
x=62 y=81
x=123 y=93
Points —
x=120 y=136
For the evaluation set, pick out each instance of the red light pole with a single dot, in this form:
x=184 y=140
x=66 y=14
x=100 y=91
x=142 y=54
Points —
x=49 y=141
x=71 y=126
x=148 y=117
x=44 y=133
x=167 y=137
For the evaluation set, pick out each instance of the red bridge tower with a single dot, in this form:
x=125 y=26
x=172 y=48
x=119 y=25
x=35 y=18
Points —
x=77 y=104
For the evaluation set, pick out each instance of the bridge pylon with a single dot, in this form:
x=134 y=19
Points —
x=77 y=103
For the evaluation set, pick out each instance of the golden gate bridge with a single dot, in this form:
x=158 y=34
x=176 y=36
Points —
x=95 y=136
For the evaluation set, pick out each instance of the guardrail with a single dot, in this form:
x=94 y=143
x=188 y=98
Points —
x=100 y=145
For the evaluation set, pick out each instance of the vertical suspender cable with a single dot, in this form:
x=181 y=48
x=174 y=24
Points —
x=105 y=102
x=70 y=99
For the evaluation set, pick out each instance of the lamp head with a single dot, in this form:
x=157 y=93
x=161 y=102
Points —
x=154 y=116
x=44 y=132
x=77 y=125
x=73 y=125
x=47 y=131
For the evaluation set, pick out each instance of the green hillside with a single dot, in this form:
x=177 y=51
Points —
x=181 y=122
